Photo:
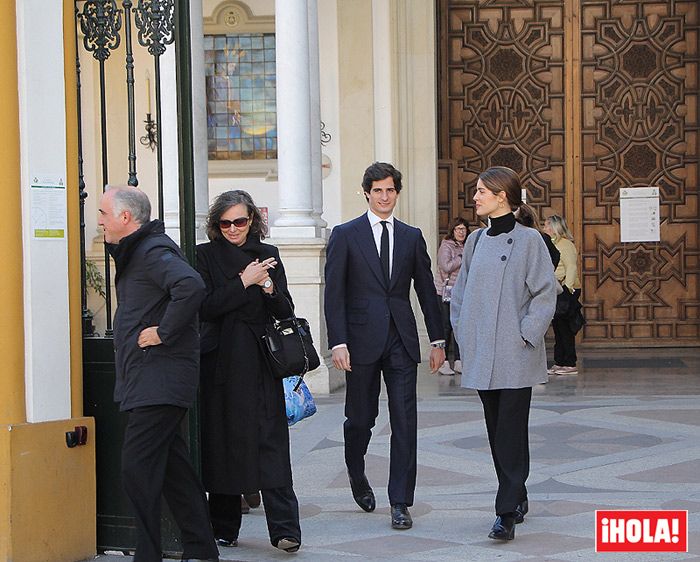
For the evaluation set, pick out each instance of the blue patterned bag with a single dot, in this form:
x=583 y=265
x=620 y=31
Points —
x=298 y=399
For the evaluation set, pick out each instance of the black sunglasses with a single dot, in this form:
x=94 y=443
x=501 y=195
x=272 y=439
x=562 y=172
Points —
x=240 y=222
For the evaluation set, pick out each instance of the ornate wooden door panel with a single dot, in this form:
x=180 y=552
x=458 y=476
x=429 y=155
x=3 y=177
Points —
x=501 y=99
x=583 y=97
x=639 y=127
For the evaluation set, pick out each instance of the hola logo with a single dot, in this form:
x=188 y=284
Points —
x=641 y=531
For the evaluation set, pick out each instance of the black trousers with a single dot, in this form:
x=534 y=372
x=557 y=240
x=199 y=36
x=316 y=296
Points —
x=155 y=461
x=362 y=407
x=507 y=412
x=450 y=342
x=281 y=512
x=564 y=340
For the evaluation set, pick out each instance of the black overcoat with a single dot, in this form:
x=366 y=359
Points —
x=245 y=438
x=155 y=287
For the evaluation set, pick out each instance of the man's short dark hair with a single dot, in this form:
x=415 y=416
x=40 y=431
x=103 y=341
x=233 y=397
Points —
x=379 y=171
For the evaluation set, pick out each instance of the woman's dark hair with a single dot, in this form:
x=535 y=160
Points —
x=500 y=178
x=379 y=171
x=454 y=224
x=223 y=203
x=527 y=216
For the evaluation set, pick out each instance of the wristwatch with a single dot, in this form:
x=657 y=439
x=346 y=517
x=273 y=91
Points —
x=267 y=284
x=439 y=345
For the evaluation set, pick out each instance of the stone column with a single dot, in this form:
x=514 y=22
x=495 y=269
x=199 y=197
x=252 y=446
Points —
x=298 y=231
x=168 y=126
x=199 y=122
x=315 y=117
x=171 y=172
x=293 y=120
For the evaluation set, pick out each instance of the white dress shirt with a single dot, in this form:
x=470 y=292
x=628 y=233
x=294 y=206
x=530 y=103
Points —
x=376 y=223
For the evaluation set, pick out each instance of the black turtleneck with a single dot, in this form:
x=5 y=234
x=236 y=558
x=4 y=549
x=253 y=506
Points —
x=501 y=224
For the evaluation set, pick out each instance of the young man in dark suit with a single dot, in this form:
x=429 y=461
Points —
x=370 y=262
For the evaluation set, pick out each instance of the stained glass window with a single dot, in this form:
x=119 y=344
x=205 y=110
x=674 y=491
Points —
x=241 y=96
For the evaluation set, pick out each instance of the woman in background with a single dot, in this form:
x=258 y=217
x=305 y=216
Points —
x=502 y=304
x=567 y=274
x=449 y=260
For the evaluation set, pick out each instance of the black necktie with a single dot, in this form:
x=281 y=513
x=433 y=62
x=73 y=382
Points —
x=384 y=251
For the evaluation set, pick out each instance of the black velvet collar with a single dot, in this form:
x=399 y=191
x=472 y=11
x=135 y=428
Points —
x=123 y=251
x=502 y=224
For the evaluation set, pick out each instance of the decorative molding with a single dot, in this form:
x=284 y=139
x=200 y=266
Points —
x=243 y=169
x=232 y=16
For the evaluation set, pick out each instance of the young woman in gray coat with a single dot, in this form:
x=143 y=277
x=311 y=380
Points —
x=502 y=303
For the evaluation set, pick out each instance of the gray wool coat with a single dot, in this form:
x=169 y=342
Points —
x=502 y=304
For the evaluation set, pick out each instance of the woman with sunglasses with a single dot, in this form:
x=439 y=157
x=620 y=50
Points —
x=245 y=438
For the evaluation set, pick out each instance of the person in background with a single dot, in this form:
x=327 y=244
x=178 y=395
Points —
x=502 y=303
x=245 y=437
x=527 y=216
x=567 y=274
x=449 y=260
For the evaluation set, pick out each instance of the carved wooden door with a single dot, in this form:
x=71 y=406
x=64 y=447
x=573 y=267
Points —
x=583 y=98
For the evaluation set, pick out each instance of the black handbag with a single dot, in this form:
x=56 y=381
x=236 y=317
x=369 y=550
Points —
x=290 y=348
x=563 y=303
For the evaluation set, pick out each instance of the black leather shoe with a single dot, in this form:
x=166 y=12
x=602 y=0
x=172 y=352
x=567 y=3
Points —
x=362 y=492
x=503 y=528
x=520 y=511
x=226 y=542
x=400 y=517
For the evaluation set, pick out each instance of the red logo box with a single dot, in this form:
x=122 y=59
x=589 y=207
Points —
x=640 y=530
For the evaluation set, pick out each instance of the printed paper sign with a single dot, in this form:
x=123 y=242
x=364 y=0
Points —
x=639 y=214
x=48 y=196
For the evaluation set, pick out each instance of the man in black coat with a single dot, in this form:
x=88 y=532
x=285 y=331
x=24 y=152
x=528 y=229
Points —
x=156 y=343
x=370 y=263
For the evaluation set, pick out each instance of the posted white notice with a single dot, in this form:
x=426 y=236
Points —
x=639 y=214
x=48 y=208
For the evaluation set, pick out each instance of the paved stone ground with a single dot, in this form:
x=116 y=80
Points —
x=624 y=433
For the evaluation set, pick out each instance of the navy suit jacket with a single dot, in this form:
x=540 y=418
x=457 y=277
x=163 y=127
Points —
x=358 y=302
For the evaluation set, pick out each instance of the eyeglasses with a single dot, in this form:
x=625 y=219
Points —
x=460 y=228
x=240 y=222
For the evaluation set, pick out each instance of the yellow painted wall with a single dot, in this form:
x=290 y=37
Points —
x=76 y=340
x=50 y=492
x=12 y=408
x=47 y=491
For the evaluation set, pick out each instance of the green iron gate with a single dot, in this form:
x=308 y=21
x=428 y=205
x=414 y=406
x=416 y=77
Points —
x=101 y=26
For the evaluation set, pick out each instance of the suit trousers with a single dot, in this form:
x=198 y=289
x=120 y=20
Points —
x=507 y=412
x=155 y=461
x=281 y=512
x=565 y=340
x=362 y=407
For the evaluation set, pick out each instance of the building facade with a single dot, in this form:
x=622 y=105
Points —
x=291 y=101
